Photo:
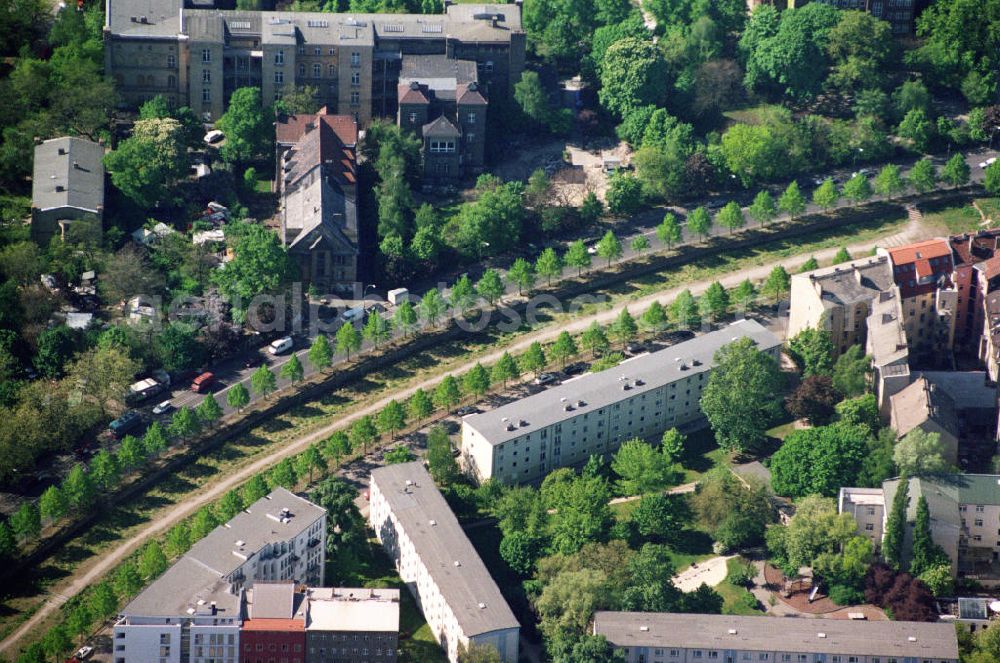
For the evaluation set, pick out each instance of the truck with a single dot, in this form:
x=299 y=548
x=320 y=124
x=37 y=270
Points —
x=127 y=423
x=142 y=390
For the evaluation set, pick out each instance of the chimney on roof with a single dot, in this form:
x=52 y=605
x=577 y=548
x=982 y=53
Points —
x=62 y=151
x=414 y=85
x=473 y=86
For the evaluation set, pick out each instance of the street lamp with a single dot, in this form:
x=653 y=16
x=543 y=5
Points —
x=365 y=293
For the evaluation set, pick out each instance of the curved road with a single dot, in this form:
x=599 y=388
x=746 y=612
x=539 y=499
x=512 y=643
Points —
x=61 y=594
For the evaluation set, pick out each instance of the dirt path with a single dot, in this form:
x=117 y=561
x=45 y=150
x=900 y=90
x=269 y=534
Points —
x=710 y=572
x=63 y=592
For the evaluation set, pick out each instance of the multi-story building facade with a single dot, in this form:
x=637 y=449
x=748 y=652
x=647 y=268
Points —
x=887 y=346
x=198 y=57
x=867 y=505
x=192 y=613
x=838 y=299
x=319 y=190
x=67 y=185
x=440 y=566
x=273 y=627
x=563 y=426
x=964 y=519
x=898 y=13
x=664 y=637
x=352 y=625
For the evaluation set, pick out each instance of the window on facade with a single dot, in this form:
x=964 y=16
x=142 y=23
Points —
x=355 y=59
x=471 y=138
x=171 y=61
x=413 y=118
x=442 y=146
x=471 y=118
x=356 y=78
x=279 y=57
x=302 y=70
x=171 y=81
x=331 y=71
x=206 y=96
x=355 y=97
x=206 y=55
x=279 y=78
x=317 y=70
x=206 y=75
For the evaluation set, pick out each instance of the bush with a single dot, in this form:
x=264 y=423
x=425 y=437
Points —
x=741 y=576
x=845 y=595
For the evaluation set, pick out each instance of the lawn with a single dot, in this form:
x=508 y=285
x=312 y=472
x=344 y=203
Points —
x=781 y=431
x=736 y=602
x=751 y=115
x=956 y=219
x=701 y=454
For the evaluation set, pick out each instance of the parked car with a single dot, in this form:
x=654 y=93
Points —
x=281 y=345
x=356 y=314
x=254 y=360
x=633 y=349
x=84 y=652
x=467 y=410
x=202 y=383
x=576 y=369
x=544 y=378
x=125 y=424
x=163 y=408
x=214 y=136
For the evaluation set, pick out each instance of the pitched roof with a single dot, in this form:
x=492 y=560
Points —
x=412 y=93
x=929 y=248
x=445 y=551
x=68 y=172
x=889 y=639
x=441 y=127
x=289 y=129
x=469 y=95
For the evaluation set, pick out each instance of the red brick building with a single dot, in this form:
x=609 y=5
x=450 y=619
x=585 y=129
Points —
x=274 y=628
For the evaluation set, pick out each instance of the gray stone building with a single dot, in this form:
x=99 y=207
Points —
x=67 y=186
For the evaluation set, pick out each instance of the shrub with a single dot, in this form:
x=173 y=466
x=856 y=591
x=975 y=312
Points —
x=741 y=576
x=845 y=595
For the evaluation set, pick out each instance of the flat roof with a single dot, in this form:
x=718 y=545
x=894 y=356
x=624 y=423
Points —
x=597 y=390
x=443 y=548
x=352 y=609
x=779 y=634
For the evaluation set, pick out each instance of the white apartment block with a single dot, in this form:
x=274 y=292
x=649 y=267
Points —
x=191 y=613
x=523 y=441
x=663 y=637
x=452 y=586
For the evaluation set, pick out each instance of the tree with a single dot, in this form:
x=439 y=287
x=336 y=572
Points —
x=818 y=461
x=254 y=490
x=56 y=346
x=744 y=294
x=247 y=128
x=812 y=351
x=633 y=74
x=348 y=341
x=594 y=338
x=991 y=180
x=477 y=380
x=462 y=294
x=791 y=201
x=230 y=504
x=826 y=195
x=641 y=468
x=939 y=580
x=405 y=318
x=549 y=265
x=739 y=399
x=184 y=422
x=814 y=400
x=815 y=531
x=420 y=405
x=624 y=328
x=895 y=527
x=763 y=209
x=209 y=411
x=154 y=441
x=889 y=182
x=336 y=447
x=533 y=360
x=809 y=265
x=128 y=580
x=432 y=306
x=52 y=505
x=131 y=453
x=26 y=522
x=920 y=453
x=391 y=418
x=850 y=372
x=79 y=489
x=669 y=231
x=57 y=642
x=80 y=619
x=238 y=397
x=282 y=474
x=858 y=189
x=654 y=318
x=504 y=370
x=447 y=394
x=522 y=273
x=609 y=247
x=922 y=176
x=684 y=311
x=177 y=347
x=956 y=171
x=563 y=348
x=309 y=461
x=714 y=302
x=577 y=255
x=582 y=515
x=699 y=222
x=640 y=244
x=127 y=273
x=149 y=162
x=320 y=355
x=731 y=216
x=376 y=329
x=918 y=129
x=260 y=265
x=841 y=256
x=152 y=561
x=591 y=209
x=440 y=460
x=478 y=653
x=363 y=432
x=926 y=554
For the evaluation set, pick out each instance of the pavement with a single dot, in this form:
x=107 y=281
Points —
x=710 y=572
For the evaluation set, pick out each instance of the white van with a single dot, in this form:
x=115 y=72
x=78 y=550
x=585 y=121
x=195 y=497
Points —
x=280 y=346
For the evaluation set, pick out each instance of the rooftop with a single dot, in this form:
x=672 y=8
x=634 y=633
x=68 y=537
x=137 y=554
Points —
x=596 y=390
x=352 y=609
x=919 y=401
x=852 y=282
x=929 y=248
x=438 y=72
x=68 y=172
x=886 y=336
x=144 y=18
x=968 y=389
x=443 y=548
x=827 y=636
x=290 y=128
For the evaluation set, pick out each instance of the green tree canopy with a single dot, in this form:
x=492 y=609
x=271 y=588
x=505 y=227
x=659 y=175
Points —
x=246 y=126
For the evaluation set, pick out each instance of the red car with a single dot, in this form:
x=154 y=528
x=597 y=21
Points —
x=202 y=383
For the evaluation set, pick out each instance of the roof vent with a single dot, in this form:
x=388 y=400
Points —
x=732 y=631
x=522 y=423
x=409 y=483
x=696 y=362
x=912 y=638
x=60 y=187
x=643 y=628
x=241 y=543
x=414 y=85
x=482 y=606
x=458 y=563
x=201 y=601
x=568 y=407
x=62 y=151
x=433 y=523
x=511 y=427
x=639 y=382
x=821 y=635
x=626 y=386
x=473 y=86
x=584 y=404
x=684 y=367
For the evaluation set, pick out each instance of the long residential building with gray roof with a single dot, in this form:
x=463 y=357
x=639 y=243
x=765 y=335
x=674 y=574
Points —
x=663 y=637
x=443 y=571
x=192 y=612
x=523 y=441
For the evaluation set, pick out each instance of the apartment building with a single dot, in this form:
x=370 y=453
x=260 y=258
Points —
x=887 y=346
x=441 y=568
x=563 y=426
x=838 y=299
x=319 y=193
x=867 y=505
x=663 y=637
x=351 y=625
x=898 y=13
x=273 y=626
x=192 y=612
x=198 y=57
x=67 y=185
x=964 y=518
